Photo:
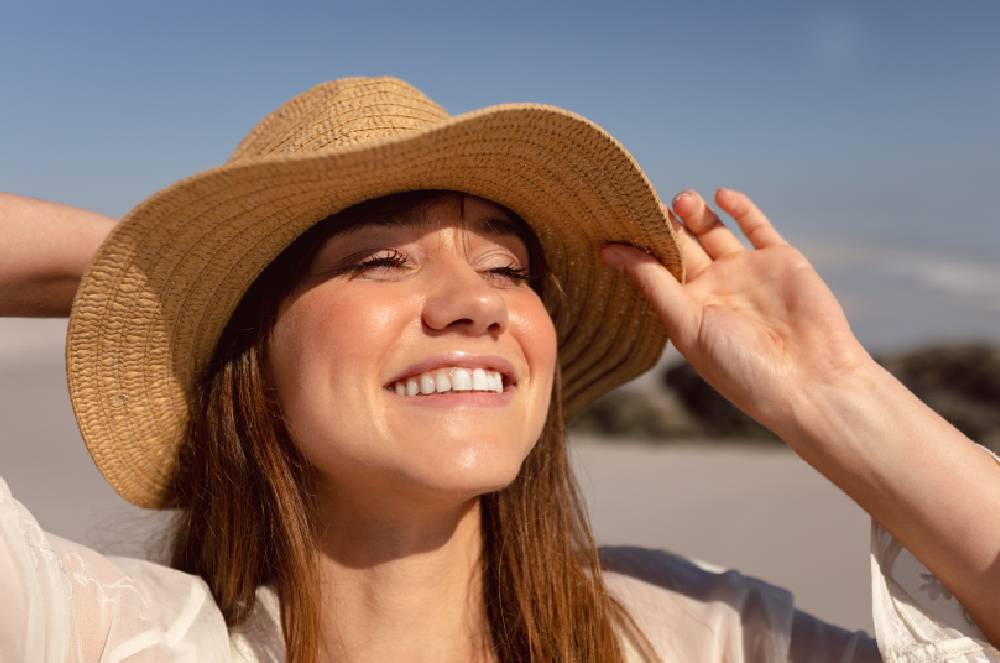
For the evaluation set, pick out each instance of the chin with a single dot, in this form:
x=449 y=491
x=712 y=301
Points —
x=472 y=471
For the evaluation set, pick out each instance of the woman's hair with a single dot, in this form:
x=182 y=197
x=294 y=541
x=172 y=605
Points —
x=247 y=505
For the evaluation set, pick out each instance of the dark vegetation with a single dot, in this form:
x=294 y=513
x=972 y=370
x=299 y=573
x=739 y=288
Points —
x=959 y=381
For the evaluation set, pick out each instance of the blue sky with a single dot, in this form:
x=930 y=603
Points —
x=867 y=131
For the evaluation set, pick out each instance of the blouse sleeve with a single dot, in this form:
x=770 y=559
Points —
x=917 y=620
x=63 y=602
x=690 y=610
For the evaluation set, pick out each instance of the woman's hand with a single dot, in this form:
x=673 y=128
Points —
x=766 y=332
x=759 y=325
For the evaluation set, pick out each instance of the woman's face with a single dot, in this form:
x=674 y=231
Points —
x=387 y=358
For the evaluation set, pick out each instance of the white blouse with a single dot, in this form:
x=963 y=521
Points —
x=63 y=602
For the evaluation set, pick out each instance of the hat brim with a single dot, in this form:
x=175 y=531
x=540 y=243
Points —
x=151 y=307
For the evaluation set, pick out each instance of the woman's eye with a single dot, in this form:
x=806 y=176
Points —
x=389 y=260
x=384 y=262
x=511 y=273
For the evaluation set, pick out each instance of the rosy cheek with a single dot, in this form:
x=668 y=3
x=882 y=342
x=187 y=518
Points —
x=329 y=327
x=373 y=315
x=283 y=364
x=348 y=329
x=538 y=334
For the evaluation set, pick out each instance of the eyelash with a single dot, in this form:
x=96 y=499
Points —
x=397 y=259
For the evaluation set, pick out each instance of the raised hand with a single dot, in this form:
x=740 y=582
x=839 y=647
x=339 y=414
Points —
x=759 y=325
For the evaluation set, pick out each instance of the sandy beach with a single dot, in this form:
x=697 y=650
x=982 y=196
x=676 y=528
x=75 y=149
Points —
x=760 y=510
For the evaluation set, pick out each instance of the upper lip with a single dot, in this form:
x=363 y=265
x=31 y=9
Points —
x=463 y=359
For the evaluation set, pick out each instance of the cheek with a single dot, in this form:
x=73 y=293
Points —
x=332 y=332
x=538 y=337
x=543 y=348
x=325 y=349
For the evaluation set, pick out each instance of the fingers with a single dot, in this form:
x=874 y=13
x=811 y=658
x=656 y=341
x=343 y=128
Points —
x=751 y=220
x=714 y=237
x=675 y=307
x=694 y=256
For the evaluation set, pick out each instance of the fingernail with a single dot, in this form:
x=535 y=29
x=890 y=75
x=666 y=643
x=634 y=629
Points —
x=683 y=194
x=613 y=257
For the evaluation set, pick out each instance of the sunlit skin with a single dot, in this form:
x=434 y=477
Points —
x=762 y=327
x=402 y=536
x=400 y=478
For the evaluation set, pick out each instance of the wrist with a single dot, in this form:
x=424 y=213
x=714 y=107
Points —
x=839 y=416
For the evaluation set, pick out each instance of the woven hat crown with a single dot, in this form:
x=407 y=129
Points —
x=340 y=113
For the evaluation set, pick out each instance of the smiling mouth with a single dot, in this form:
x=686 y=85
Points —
x=453 y=379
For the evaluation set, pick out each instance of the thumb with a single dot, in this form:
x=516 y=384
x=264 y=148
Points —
x=675 y=307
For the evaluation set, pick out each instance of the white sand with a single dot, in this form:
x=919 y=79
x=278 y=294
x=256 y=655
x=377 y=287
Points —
x=760 y=510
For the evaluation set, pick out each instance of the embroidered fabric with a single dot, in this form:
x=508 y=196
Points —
x=64 y=602
x=917 y=620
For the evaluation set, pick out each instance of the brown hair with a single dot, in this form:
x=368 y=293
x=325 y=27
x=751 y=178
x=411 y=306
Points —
x=246 y=496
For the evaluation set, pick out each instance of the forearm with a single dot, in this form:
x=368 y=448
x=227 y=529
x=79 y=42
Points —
x=916 y=474
x=44 y=249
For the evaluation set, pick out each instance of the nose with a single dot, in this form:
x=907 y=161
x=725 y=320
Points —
x=462 y=300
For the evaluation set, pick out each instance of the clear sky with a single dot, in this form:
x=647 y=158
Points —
x=867 y=130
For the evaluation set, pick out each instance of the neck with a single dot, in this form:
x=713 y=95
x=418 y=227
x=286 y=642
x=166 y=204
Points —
x=402 y=586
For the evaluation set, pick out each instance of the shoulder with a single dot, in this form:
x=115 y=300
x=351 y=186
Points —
x=663 y=576
x=188 y=615
x=141 y=608
x=89 y=606
x=693 y=610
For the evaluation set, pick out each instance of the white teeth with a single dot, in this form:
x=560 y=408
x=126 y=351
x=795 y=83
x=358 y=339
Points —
x=480 y=381
x=450 y=379
x=442 y=381
x=461 y=380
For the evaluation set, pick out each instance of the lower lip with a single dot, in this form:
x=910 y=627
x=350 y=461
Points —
x=459 y=399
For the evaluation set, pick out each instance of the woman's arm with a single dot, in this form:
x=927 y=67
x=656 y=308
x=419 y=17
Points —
x=765 y=331
x=44 y=249
x=916 y=474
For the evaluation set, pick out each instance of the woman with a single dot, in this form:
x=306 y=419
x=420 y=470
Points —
x=347 y=357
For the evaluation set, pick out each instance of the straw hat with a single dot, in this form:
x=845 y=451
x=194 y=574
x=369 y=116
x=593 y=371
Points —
x=151 y=307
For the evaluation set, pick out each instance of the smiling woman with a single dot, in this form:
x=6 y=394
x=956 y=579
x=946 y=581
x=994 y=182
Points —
x=394 y=303
x=332 y=325
x=347 y=358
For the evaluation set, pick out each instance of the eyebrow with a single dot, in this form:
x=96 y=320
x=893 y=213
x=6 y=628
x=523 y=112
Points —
x=497 y=225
